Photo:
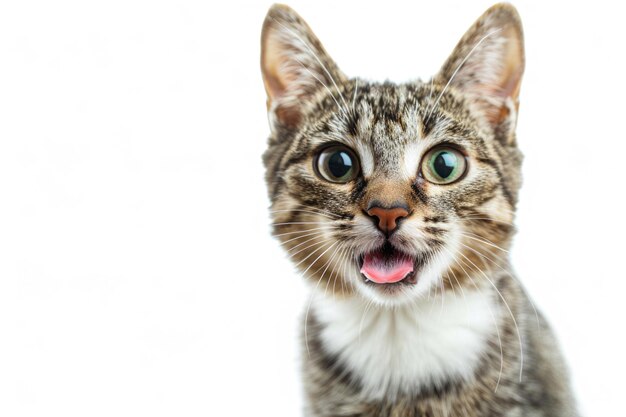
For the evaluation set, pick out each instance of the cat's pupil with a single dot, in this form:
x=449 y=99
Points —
x=444 y=164
x=339 y=164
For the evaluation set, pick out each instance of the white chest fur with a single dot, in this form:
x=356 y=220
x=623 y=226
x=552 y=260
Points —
x=404 y=349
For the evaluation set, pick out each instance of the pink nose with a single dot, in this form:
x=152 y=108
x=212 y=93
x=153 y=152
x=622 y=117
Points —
x=387 y=218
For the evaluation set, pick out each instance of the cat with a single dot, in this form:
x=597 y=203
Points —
x=397 y=202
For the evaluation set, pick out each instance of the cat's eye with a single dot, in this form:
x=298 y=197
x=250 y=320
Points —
x=337 y=164
x=443 y=165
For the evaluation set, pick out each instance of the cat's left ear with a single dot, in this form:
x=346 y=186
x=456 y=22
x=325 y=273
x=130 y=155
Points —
x=294 y=65
x=487 y=64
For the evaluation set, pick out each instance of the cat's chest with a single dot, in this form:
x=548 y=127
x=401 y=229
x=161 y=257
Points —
x=404 y=349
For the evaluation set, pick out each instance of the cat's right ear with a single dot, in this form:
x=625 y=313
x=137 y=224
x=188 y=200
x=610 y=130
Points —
x=294 y=65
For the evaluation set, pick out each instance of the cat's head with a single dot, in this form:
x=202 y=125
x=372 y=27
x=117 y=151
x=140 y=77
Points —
x=393 y=191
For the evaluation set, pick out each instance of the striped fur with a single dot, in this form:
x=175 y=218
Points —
x=403 y=356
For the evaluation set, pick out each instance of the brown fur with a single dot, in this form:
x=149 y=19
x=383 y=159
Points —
x=470 y=104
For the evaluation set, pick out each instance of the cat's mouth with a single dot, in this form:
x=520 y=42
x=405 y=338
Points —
x=388 y=266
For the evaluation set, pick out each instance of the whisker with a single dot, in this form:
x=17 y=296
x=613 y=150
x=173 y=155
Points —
x=306 y=45
x=483 y=240
x=493 y=317
x=310 y=229
x=532 y=304
x=316 y=259
x=443 y=297
x=345 y=269
x=306 y=241
x=460 y=288
x=355 y=259
x=306 y=315
x=322 y=82
x=519 y=335
x=320 y=232
x=318 y=209
x=336 y=277
x=330 y=277
x=310 y=246
x=447 y=278
x=432 y=86
x=329 y=215
x=429 y=290
x=457 y=70
x=367 y=306
x=488 y=219
x=289 y=223
x=335 y=274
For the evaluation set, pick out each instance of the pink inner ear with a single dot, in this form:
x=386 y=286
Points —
x=488 y=62
x=271 y=61
x=278 y=80
x=294 y=64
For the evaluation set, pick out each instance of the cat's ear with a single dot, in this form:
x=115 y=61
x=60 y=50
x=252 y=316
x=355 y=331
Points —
x=488 y=62
x=294 y=64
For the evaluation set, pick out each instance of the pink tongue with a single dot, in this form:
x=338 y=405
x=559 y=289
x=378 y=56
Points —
x=386 y=271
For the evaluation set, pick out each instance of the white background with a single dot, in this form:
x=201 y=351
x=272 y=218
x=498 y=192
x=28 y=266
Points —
x=137 y=275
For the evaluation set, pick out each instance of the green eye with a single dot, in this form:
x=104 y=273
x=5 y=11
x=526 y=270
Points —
x=443 y=165
x=337 y=164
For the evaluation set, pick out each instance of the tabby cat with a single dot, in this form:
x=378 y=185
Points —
x=396 y=202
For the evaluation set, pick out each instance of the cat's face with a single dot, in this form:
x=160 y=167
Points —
x=393 y=192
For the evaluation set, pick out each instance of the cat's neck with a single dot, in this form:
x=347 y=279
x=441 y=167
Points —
x=410 y=347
